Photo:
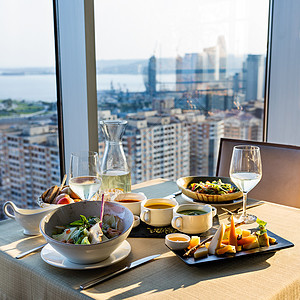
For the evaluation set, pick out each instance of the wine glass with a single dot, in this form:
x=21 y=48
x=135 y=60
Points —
x=85 y=178
x=246 y=172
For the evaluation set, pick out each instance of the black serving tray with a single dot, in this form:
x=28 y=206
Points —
x=147 y=231
x=281 y=244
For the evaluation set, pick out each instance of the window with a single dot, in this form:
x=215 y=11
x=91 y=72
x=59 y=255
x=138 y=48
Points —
x=28 y=115
x=197 y=66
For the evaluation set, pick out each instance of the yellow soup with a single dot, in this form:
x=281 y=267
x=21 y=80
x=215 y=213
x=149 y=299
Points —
x=159 y=205
x=178 y=239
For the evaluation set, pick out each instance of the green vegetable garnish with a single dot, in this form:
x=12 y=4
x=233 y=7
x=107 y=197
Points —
x=213 y=188
x=261 y=226
x=82 y=222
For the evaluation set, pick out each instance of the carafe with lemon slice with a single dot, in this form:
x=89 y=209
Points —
x=115 y=172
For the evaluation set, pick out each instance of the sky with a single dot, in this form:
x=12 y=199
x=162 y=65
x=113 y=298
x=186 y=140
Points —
x=136 y=29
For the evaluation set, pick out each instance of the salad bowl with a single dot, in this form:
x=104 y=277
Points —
x=86 y=253
x=213 y=195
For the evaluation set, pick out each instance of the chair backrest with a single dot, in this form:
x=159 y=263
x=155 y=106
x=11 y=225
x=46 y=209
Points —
x=280 y=181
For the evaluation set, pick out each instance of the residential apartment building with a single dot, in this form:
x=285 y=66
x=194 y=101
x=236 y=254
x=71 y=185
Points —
x=29 y=163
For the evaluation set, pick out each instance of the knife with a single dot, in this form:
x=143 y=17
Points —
x=113 y=274
x=30 y=251
x=173 y=195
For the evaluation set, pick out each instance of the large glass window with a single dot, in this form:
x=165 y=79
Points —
x=183 y=74
x=29 y=152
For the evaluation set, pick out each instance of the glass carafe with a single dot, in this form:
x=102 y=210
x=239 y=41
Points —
x=114 y=168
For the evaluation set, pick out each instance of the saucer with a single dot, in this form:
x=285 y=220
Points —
x=216 y=204
x=53 y=258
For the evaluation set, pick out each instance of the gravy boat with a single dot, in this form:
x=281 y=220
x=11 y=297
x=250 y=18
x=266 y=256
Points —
x=29 y=219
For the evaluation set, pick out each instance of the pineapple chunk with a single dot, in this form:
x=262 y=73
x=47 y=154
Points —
x=246 y=233
x=272 y=241
x=263 y=240
x=226 y=249
x=252 y=245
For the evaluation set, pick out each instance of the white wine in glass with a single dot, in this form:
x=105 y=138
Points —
x=85 y=178
x=246 y=172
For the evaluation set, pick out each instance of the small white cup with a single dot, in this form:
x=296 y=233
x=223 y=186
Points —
x=193 y=224
x=177 y=241
x=29 y=219
x=155 y=216
x=135 y=205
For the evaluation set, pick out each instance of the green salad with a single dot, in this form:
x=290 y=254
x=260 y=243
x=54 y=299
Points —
x=89 y=230
x=213 y=188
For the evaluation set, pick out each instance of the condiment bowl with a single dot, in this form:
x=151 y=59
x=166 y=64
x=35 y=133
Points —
x=86 y=254
x=177 y=241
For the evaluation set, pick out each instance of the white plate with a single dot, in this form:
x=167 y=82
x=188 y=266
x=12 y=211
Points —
x=185 y=197
x=53 y=258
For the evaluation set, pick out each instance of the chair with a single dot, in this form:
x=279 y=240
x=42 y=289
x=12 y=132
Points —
x=280 y=181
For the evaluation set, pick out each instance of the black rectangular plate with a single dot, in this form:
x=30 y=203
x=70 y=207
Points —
x=281 y=244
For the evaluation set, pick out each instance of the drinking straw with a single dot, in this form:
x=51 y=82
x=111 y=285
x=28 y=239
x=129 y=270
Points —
x=102 y=211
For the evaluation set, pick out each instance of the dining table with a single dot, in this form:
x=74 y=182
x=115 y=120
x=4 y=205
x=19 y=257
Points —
x=267 y=275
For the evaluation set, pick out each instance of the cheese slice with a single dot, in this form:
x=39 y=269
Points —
x=201 y=252
x=216 y=240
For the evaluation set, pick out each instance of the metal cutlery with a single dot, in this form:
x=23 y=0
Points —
x=113 y=274
x=173 y=195
x=30 y=251
x=236 y=210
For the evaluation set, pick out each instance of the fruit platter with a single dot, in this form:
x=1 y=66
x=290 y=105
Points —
x=231 y=241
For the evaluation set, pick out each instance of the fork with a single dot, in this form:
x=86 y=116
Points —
x=236 y=210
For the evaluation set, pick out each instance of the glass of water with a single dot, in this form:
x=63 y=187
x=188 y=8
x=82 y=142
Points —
x=85 y=178
x=246 y=172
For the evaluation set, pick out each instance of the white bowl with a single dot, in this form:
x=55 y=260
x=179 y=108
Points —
x=135 y=207
x=85 y=254
x=177 y=245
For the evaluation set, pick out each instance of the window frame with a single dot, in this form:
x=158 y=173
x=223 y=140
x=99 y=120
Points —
x=75 y=78
x=82 y=110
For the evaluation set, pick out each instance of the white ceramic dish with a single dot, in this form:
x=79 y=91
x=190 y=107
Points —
x=53 y=258
x=86 y=254
x=29 y=219
x=157 y=217
x=135 y=207
x=193 y=224
x=177 y=245
x=188 y=199
x=136 y=221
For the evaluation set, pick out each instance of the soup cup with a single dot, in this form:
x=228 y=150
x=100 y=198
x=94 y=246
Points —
x=157 y=212
x=132 y=201
x=185 y=221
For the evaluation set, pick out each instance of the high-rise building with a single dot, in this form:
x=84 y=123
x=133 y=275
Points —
x=29 y=163
x=254 y=77
x=195 y=71
x=157 y=147
x=151 y=77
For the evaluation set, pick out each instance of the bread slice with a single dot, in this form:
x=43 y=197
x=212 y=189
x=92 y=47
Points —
x=51 y=194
